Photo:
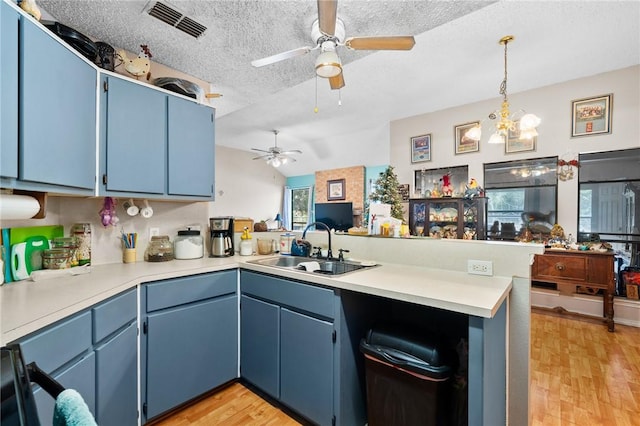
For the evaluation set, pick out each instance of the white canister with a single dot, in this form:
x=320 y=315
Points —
x=285 y=243
x=188 y=245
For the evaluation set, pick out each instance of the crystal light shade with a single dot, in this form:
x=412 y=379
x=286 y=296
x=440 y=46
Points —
x=328 y=64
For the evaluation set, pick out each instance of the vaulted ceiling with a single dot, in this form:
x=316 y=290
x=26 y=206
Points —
x=456 y=60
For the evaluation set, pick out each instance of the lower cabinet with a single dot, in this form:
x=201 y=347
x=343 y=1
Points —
x=306 y=379
x=95 y=353
x=190 y=342
x=289 y=344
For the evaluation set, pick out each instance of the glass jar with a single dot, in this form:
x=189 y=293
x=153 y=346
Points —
x=82 y=234
x=70 y=244
x=56 y=258
x=159 y=249
x=188 y=245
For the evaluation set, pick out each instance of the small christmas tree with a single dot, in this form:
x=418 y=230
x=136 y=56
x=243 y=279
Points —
x=387 y=192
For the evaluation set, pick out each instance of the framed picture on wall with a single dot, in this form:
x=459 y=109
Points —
x=515 y=144
x=421 y=148
x=464 y=144
x=591 y=116
x=335 y=190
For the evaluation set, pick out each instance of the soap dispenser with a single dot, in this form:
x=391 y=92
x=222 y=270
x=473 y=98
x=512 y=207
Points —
x=246 y=245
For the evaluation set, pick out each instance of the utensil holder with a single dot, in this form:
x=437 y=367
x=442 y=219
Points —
x=129 y=255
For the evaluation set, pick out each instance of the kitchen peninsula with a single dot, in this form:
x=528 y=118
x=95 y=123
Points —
x=428 y=274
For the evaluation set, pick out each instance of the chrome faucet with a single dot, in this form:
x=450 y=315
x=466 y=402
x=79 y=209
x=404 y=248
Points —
x=322 y=225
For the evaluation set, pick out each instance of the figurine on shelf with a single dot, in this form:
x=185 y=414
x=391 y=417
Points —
x=435 y=192
x=447 y=188
x=473 y=189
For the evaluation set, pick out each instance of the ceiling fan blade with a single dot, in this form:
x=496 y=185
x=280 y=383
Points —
x=327 y=13
x=261 y=157
x=291 y=151
x=337 y=82
x=261 y=150
x=381 y=43
x=281 y=56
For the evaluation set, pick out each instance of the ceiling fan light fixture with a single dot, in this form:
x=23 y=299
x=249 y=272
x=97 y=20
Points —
x=328 y=64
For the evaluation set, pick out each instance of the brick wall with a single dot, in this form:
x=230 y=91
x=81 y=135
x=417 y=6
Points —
x=354 y=187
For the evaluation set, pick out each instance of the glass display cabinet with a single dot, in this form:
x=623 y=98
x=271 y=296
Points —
x=449 y=217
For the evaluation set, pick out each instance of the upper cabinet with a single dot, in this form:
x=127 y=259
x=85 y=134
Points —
x=59 y=113
x=53 y=102
x=191 y=148
x=153 y=143
x=133 y=134
x=9 y=21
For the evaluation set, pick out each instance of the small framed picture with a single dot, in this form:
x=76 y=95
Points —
x=335 y=190
x=515 y=144
x=463 y=143
x=421 y=148
x=591 y=116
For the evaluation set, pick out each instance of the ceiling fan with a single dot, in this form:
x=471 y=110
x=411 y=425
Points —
x=275 y=156
x=328 y=33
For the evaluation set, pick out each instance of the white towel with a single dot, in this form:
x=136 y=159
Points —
x=310 y=266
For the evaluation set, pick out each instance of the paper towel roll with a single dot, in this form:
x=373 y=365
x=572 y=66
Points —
x=18 y=206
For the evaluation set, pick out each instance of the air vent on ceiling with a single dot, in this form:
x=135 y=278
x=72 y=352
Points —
x=177 y=19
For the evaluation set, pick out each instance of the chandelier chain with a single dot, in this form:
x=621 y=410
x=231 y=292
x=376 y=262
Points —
x=503 y=85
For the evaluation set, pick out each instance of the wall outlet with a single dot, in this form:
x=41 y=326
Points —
x=480 y=267
x=153 y=232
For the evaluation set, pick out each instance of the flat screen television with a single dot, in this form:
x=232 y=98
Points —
x=338 y=216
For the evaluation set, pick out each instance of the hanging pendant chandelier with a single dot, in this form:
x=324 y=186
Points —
x=503 y=121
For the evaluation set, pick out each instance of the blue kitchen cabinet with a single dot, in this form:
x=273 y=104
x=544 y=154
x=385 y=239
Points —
x=191 y=339
x=94 y=352
x=288 y=328
x=57 y=113
x=63 y=351
x=9 y=21
x=191 y=128
x=306 y=381
x=260 y=343
x=115 y=337
x=133 y=135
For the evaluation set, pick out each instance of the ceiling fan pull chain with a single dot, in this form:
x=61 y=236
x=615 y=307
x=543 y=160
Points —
x=315 y=109
x=339 y=97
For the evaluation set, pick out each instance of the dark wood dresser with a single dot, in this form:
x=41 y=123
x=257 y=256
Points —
x=570 y=269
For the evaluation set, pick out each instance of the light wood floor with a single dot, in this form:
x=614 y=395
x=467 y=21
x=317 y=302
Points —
x=581 y=375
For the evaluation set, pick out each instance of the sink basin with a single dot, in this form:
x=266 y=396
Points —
x=327 y=267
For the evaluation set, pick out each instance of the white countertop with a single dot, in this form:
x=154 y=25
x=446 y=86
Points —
x=27 y=306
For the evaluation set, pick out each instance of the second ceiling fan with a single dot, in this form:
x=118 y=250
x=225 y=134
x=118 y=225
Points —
x=328 y=33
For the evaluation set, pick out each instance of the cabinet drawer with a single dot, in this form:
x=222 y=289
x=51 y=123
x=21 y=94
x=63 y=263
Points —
x=561 y=267
x=174 y=292
x=109 y=316
x=59 y=344
x=308 y=298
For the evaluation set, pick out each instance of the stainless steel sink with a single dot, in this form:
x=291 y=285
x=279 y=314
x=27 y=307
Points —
x=327 y=266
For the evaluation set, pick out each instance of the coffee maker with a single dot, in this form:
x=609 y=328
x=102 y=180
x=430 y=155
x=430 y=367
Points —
x=221 y=229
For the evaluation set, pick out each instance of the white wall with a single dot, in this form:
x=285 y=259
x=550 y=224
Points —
x=553 y=105
x=249 y=189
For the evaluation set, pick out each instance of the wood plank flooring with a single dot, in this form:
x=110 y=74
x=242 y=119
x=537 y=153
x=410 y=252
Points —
x=581 y=375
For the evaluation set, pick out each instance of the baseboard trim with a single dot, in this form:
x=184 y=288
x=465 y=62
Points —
x=626 y=311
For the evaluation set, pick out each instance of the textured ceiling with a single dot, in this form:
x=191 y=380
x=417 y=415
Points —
x=456 y=60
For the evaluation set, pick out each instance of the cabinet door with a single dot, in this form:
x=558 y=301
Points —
x=190 y=350
x=9 y=21
x=306 y=382
x=260 y=344
x=117 y=379
x=191 y=148
x=136 y=138
x=57 y=112
x=79 y=376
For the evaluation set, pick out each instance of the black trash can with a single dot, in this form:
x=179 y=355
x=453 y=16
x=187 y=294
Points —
x=407 y=378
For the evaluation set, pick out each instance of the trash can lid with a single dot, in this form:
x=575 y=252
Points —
x=423 y=354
